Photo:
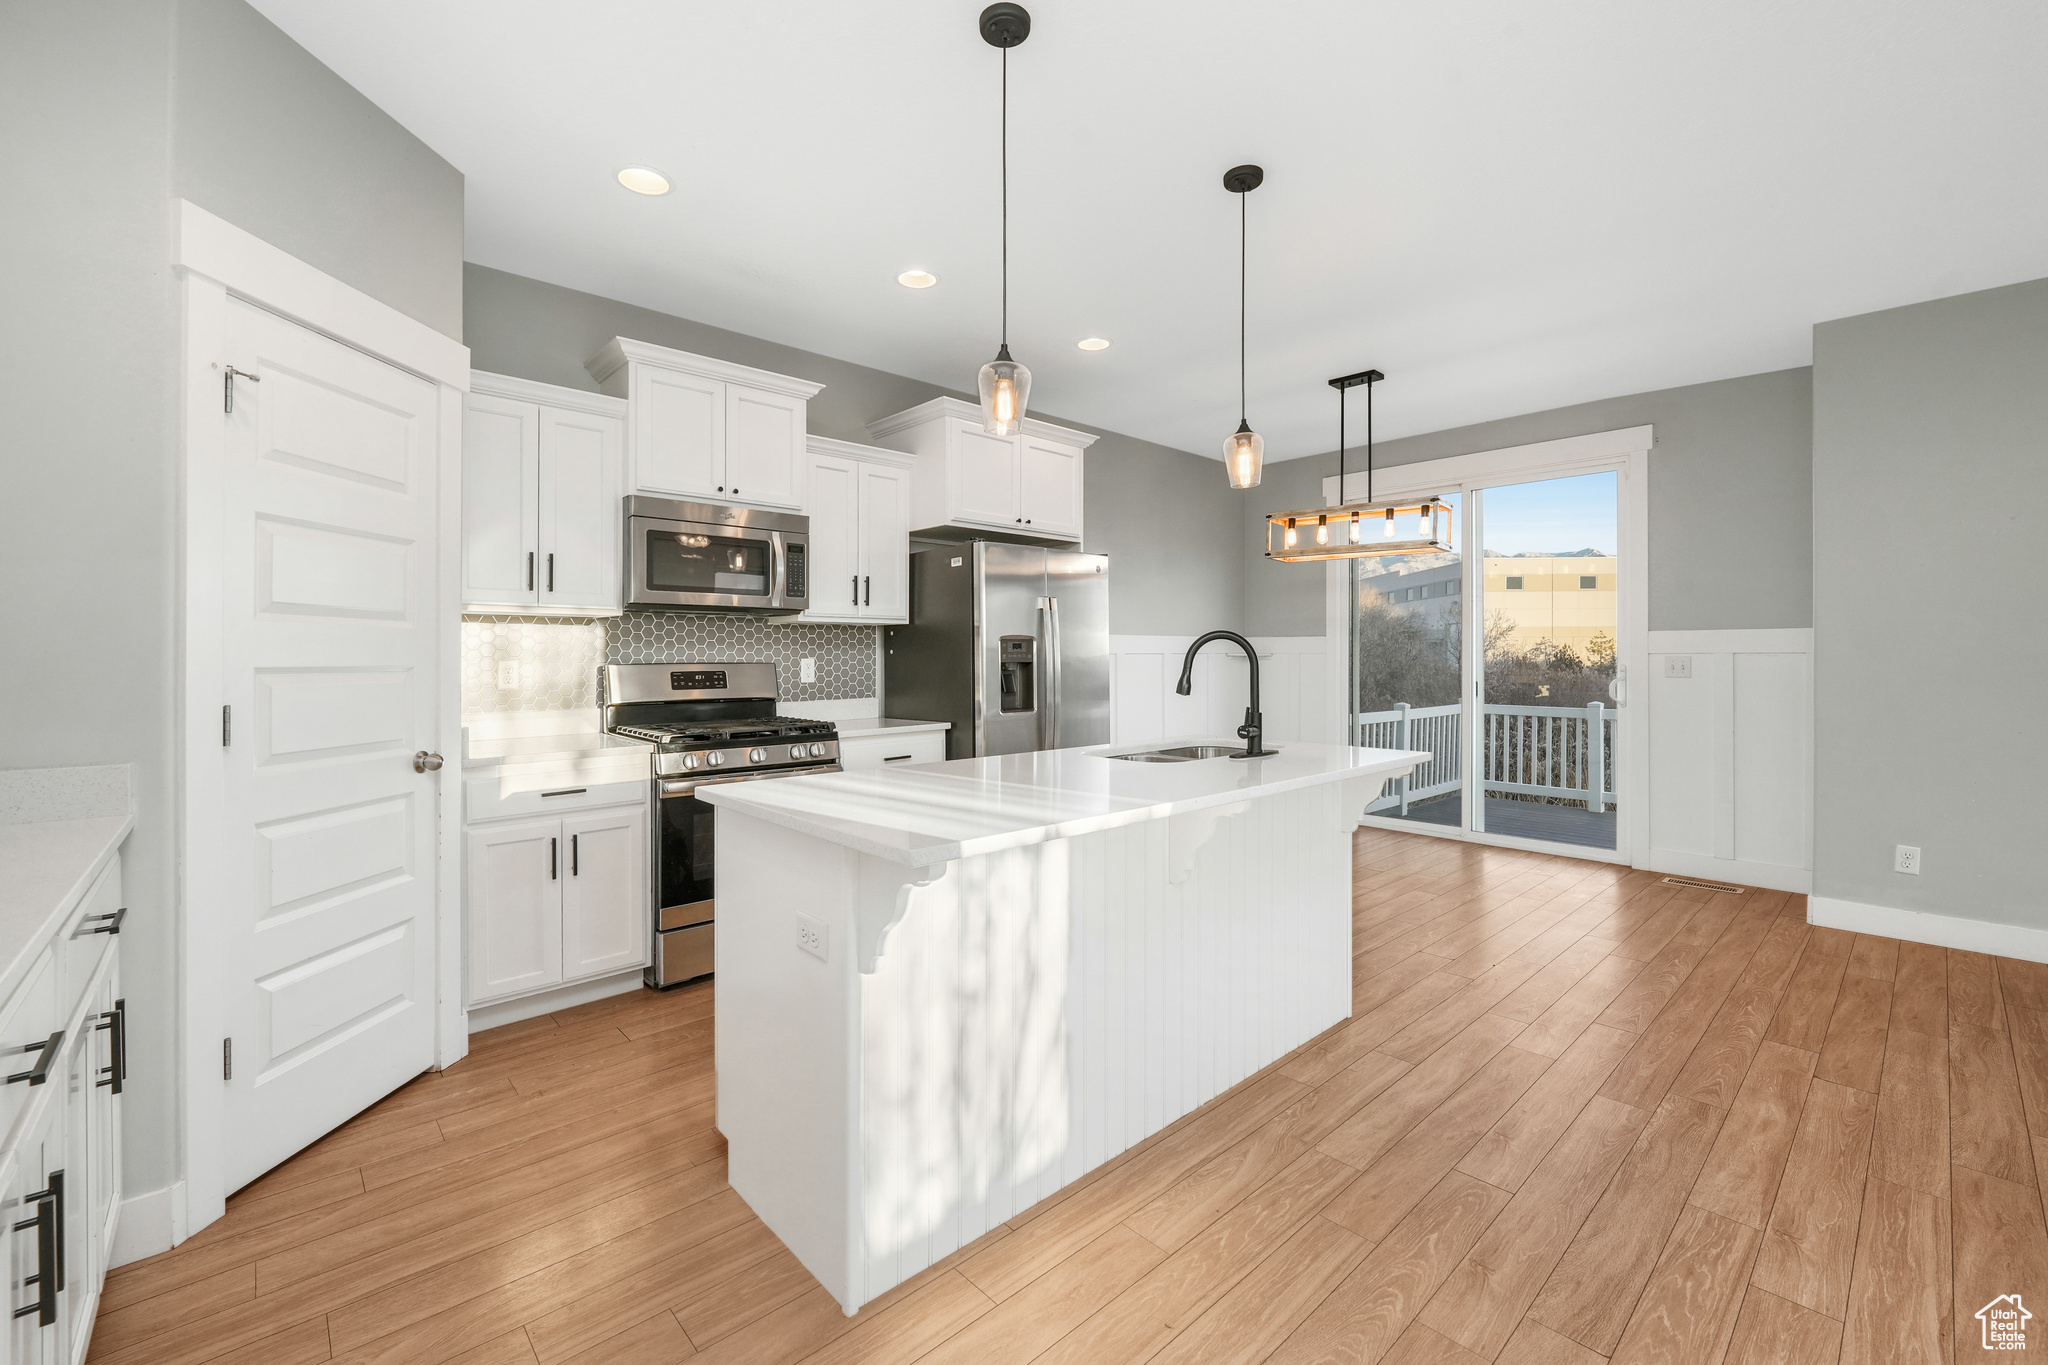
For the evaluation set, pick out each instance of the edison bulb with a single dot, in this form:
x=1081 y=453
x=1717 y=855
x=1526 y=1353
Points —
x=1244 y=457
x=1322 y=530
x=1289 y=538
x=1390 y=524
x=1354 y=528
x=1005 y=390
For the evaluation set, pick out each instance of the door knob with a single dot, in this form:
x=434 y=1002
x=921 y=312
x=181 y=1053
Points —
x=424 y=762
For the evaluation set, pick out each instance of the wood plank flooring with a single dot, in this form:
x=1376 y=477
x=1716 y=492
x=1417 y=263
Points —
x=1579 y=1114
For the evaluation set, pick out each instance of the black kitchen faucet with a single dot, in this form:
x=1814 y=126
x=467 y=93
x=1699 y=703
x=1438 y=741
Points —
x=1252 y=732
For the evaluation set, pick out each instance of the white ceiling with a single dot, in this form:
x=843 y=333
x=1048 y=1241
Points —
x=1505 y=207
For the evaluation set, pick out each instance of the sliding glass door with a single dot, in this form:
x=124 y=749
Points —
x=1502 y=660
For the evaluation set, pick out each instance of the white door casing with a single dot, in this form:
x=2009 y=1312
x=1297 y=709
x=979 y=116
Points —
x=330 y=659
x=218 y=264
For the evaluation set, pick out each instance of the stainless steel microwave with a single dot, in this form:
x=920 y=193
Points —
x=699 y=556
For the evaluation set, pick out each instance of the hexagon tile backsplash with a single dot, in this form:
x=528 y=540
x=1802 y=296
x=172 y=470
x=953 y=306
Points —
x=551 y=663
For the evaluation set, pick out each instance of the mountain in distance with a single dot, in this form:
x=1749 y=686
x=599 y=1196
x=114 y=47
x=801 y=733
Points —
x=1587 y=553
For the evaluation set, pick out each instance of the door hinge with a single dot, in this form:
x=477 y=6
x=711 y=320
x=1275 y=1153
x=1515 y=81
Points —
x=227 y=726
x=227 y=1059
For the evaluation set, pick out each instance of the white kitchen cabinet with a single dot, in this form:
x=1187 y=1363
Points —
x=1024 y=487
x=554 y=901
x=859 y=506
x=705 y=429
x=892 y=750
x=541 y=473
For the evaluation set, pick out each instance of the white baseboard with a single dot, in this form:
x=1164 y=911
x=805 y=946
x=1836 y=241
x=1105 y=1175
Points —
x=554 y=998
x=147 y=1225
x=1775 y=876
x=1943 y=931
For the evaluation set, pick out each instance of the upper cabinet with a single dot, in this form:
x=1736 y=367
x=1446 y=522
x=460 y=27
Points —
x=1027 y=485
x=859 y=506
x=541 y=473
x=705 y=429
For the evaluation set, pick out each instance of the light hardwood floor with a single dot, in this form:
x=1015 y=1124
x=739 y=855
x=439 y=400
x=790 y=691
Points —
x=1578 y=1113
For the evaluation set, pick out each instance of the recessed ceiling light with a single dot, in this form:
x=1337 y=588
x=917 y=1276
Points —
x=1093 y=344
x=917 y=279
x=644 y=180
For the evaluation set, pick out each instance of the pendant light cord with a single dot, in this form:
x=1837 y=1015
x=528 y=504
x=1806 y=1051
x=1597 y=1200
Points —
x=1243 y=227
x=1006 y=199
x=1368 y=443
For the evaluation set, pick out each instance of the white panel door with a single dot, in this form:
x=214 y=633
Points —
x=765 y=456
x=984 y=477
x=331 y=632
x=885 y=543
x=835 y=493
x=515 y=908
x=1049 y=487
x=605 y=925
x=580 y=515
x=500 y=482
x=678 y=433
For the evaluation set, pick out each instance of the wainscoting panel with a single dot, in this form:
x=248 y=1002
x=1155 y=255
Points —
x=1293 y=686
x=1731 y=755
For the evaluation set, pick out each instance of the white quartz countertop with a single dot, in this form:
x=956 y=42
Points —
x=45 y=867
x=490 y=753
x=931 y=813
x=866 y=727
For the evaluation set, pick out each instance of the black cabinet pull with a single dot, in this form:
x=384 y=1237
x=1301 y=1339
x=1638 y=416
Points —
x=899 y=758
x=566 y=791
x=529 y=571
x=40 y=1072
x=856 y=590
x=49 y=1266
x=869 y=590
x=551 y=859
x=111 y=926
x=575 y=863
x=551 y=571
x=115 y=1021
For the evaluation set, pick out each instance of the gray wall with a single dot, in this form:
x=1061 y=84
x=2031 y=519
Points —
x=1730 y=501
x=1167 y=518
x=89 y=485
x=271 y=140
x=1930 y=492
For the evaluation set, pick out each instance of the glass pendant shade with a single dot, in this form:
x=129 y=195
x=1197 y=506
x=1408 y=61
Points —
x=1244 y=456
x=1432 y=532
x=1005 y=389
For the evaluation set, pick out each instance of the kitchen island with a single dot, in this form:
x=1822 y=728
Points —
x=945 y=991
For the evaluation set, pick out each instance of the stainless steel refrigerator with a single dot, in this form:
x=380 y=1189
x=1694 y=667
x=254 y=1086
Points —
x=1008 y=642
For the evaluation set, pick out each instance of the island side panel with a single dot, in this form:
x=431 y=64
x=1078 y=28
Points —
x=785 y=1045
x=1038 y=1011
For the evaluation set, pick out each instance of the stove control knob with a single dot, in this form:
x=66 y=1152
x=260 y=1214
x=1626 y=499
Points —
x=691 y=762
x=817 y=751
x=715 y=760
x=796 y=751
x=757 y=755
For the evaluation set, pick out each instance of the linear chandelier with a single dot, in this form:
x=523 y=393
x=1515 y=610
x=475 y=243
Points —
x=1358 y=530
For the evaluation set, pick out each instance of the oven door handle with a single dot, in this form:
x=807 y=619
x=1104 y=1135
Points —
x=685 y=786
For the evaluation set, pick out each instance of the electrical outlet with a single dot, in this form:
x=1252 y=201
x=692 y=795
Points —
x=508 y=673
x=807 y=670
x=1678 y=665
x=813 y=937
x=1906 y=858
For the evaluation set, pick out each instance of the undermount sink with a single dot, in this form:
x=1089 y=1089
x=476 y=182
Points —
x=1186 y=753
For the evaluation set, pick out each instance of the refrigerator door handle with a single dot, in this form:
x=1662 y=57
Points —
x=1049 y=689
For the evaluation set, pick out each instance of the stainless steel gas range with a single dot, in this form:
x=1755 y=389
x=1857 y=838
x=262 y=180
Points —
x=710 y=723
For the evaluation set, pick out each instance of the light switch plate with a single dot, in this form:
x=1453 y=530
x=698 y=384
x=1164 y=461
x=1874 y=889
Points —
x=1678 y=665
x=807 y=670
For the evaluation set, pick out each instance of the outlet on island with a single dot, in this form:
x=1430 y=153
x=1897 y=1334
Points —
x=812 y=935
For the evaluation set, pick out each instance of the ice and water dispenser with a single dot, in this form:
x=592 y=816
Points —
x=1019 y=688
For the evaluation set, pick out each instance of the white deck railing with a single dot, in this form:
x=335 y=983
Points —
x=1561 y=751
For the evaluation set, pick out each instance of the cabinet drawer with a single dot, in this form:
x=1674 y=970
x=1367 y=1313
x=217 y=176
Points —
x=508 y=793
x=26 y=1021
x=894 y=751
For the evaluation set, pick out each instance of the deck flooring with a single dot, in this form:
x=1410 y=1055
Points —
x=1579 y=1114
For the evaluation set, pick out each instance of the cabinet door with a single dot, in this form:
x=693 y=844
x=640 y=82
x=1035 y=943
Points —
x=884 y=542
x=764 y=456
x=515 y=908
x=607 y=917
x=678 y=433
x=82 y=1140
x=104 y=1111
x=834 y=509
x=1049 y=487
x=26 y=1172
x=984 y=477
x=500 y=500
x=580 y=515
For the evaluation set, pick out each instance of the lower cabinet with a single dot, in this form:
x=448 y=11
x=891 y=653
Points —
x=895 y=751
x=60 y=1170
x=557 y=900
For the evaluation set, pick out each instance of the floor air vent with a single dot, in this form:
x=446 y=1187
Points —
x=1704 y=886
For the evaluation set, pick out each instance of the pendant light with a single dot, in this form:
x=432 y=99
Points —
x=1244 y=450
x=1004 y=384
x=1358 y=530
